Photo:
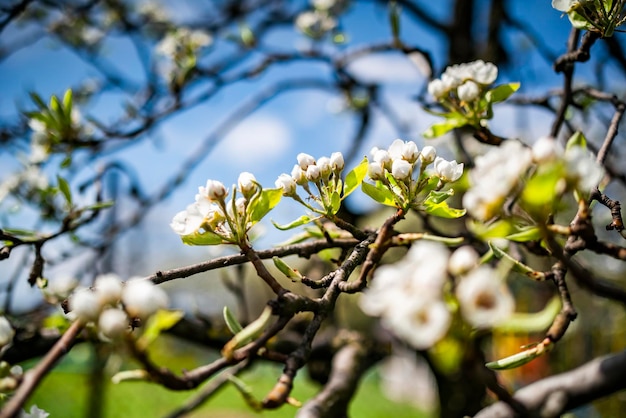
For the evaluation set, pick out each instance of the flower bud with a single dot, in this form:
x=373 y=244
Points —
x=437 y=89
x=324 y=164
x=546 y=149
x=287 y=183
x=305 y=160
x=428 y=154
x=142 y=298
x=86 y=305
x=375 y=171
x=113 y=323
x=214 y=190
x=336 y=161
x=401 y=169
x=247 y=183
x=468 y=91
x=462 y=260
x=448 y=171
x=313 y=173
x=108 y=288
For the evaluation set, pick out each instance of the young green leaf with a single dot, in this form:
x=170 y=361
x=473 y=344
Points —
x=576 y=140
x=64 y=187
x=379 y=193
x=355 y=177
x=162 y=320
x=262 y=203
x=302 y=220
x=446 y=126
x=291 y=273
x=206 y=238
x=501 y=92
x=249 y=333
x=442 y=210
x=529 y=233
x=231 y=322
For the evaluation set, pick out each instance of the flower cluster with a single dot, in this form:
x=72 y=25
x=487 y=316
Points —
x=395 y=169
x=413 y=300
x=180 y=48
x=493 y=178
x=322 y=19
x=110 y=303
x=212 y=220
x=463 y=81
x=593 y=15
x=323 y=174
x=500 y=174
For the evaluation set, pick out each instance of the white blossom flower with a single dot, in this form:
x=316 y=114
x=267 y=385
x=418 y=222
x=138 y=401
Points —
x=382 y=157
x=482 y=72
x=420 y=323
x=188 y=221
x=305 y=160
x=287 y=183
x=240 y=207
x=568 y=5
x=214 y=190
x=6 y=331
x=401 y=169
x=438 y=89
x=583 y=169
x=142 y=298
x=85 y=305
x=546 y=149
x=484 y=298
x=113 y=323
x=428 y=154
x=336 y=161
x=462 y=260
x=406 y=150
x=108 y=288
x=247 y=183
x=395 y=149
x=61 y=287
x=448 y=171
x=313 y=173
x=468 y=91
x=315 y=23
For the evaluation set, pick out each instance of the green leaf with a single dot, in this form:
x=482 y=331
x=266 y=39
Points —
x=262 y=203
x=442 y=210
x=497 y=229
x=501 y=92
x=335 y=203
x=527 y=323
x=438 y=196
x=576 y=140
x=64 y=187
x=517 y=265
x=516 y=360
x=38 y=100
x=441 y=128
x=302 y=220
x=67 y=161
x=98 y=206
x=231 y=322
x=249 y=333
x=289 y=272
x=205 y=238
x=529 y=233
x=68 y=101
x=379 y=193
x=162 y=320
x=355 y=177
x=540 y=192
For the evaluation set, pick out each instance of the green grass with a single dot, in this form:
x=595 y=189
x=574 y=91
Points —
x=64 y=393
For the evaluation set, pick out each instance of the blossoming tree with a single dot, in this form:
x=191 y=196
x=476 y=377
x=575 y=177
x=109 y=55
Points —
x=487 y=232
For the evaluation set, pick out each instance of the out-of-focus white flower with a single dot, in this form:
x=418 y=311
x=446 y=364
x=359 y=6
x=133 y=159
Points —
x=336 y=161
x=438 y=89
x=583 y=169
x=482 y=72
x=448 y=171
x=287 y=184
x=35 y=412
x=546 y=149
x=468 y=91
x=494 y=176
x=428 y=154
x=315 y=23
x=401 y=169
x=420 y=323
x=331 y=6
x=313 y=173
x=85 y=305
x=108 y=288
x=484 y=298
x=462 y=260
x=61 y=287
x=6 y=331
x=568 y=5
x=142 y=298
x=247 y=183
x=240 y=207
x=113 y=323
x=183 y=41
x=305 y=160
x=214 y=191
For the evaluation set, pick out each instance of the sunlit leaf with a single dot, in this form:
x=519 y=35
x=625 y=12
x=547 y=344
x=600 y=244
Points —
x=302 y=220
x=501 y=92
x=530 y=233
x=261 y=205
x=446 y=126
x=205 y=238
x=442 y=210
x=526 y=323
x=576 y=140
x=161 y=321
x=379 y=193
x=355 y=177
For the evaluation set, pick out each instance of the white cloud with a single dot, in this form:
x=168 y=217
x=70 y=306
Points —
x=258 y=138
x=385 y=67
